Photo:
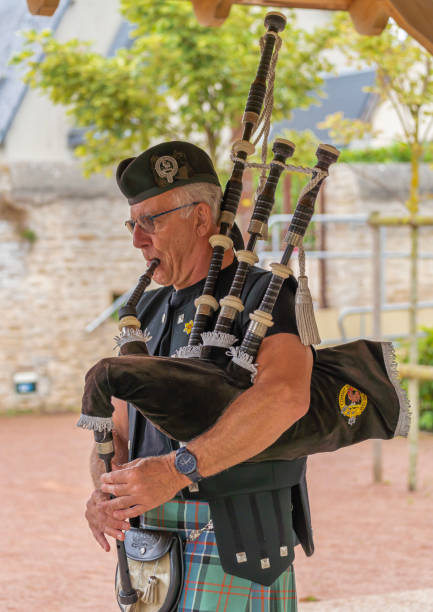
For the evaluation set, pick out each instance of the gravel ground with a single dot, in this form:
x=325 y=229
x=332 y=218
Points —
x=373 y=542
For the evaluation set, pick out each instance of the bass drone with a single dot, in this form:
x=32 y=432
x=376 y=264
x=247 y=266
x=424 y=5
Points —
x=355 y=391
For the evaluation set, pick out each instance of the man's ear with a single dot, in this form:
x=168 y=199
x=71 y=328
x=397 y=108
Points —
x=203 y=219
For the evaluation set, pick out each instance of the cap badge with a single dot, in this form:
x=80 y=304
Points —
x=166 y=168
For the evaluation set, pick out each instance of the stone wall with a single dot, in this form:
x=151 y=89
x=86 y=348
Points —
x=365 y=188
x=51 y=288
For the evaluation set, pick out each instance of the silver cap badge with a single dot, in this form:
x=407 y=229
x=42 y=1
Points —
x=166 y=167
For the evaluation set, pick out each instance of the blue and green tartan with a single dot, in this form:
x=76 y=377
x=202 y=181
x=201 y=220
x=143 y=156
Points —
x=207 y=588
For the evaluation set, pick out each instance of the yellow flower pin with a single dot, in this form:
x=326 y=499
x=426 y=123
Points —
x=188 y=327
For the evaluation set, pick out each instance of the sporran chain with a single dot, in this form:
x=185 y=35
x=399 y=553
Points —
x=196 y=533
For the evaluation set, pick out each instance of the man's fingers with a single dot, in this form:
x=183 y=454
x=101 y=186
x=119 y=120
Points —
x=117 y=524
x=101 y=539
x=118 y=490
x=118 y=503
x=129 y=512
x=119 y=476
x=115 y=533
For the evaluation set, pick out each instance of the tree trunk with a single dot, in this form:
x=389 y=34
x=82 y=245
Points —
x=413 y=206
x=413 y=359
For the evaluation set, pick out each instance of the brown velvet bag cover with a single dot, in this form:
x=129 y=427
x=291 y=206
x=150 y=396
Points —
x=355 y=396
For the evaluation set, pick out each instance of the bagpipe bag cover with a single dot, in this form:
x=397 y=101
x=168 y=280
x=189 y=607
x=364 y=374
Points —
x=355 y=396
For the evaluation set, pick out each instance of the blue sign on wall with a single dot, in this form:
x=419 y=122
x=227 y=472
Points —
x=25 y=382
x=25 y=387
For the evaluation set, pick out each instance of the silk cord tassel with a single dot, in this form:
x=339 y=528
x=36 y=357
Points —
x=304 y=310
x=150 y=594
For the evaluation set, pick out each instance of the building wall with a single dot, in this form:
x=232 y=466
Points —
x=52 y=288
x=39 y=130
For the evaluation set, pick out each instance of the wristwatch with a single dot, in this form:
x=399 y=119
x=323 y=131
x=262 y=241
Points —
x=186 y=463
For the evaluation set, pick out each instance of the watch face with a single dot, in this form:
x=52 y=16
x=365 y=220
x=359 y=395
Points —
x=186 y=463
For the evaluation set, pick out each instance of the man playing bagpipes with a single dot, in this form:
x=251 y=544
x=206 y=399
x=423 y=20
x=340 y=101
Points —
x=225 y=400
x=173 y=221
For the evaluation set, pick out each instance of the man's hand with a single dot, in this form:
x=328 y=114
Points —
x=101 y=522
x=141 y=485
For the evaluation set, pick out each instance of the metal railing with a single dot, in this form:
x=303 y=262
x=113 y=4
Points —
x=379 y=252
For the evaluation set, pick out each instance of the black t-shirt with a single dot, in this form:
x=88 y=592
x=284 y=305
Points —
x=168 y=316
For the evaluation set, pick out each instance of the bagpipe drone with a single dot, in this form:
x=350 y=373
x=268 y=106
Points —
x=355 y=391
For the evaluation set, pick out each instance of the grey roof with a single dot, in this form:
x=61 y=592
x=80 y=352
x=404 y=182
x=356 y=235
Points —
x=122 y=38
x=342 y=93
x=15 y=18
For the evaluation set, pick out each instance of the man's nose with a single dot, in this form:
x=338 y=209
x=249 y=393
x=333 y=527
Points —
x=140 y=238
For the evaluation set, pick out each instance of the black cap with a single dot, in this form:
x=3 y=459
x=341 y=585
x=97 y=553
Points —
x=164 y=167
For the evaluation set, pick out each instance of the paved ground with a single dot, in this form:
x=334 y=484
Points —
x=403 y=601
x=373 y=542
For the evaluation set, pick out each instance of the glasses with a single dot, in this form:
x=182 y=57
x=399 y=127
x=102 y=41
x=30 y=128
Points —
x=146 y=223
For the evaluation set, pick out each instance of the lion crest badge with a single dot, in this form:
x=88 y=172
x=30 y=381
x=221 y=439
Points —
x=166 y=167
x=352 y=403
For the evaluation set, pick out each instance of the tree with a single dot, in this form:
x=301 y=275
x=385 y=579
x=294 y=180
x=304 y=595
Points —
x=404 y=79
x=176 y=80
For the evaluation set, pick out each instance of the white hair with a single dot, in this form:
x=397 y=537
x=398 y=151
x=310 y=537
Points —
x=199 y=192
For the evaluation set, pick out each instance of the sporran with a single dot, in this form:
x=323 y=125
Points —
x=155 y=561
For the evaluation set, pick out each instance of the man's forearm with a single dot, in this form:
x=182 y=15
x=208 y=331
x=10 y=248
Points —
x=96 y=467
x=251 y=423
x=279 y=397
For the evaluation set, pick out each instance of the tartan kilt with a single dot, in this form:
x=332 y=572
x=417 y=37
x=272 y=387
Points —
x=207 y=588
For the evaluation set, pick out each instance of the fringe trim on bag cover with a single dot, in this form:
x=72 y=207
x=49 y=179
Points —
x=187 y=352
x=391 y=365
x=132 y=335
x=241 y=358
x=221 y=339
x=95 y=423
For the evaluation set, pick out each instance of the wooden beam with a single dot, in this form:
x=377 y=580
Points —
x=214 y=12
x=416 y=17
x=369 y=16
x=211 y=12
x=43 y=7
x=324 y=5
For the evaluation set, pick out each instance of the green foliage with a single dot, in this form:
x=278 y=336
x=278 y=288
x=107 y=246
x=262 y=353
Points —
x=404 y=80
x=426 y=387
x=404 y=69
x=425 y=357
x=426 y=420
x=397 y=152
x=28 y=234
x=344 y=131
x=178 y=79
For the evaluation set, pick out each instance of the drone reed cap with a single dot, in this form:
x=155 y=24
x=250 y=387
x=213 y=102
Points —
x=327 y=151
x=275 y=20
x=283 y=147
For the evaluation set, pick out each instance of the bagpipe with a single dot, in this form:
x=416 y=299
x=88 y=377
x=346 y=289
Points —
x=355 y=391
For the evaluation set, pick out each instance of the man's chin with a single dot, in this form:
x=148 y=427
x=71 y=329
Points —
x=160 y=277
